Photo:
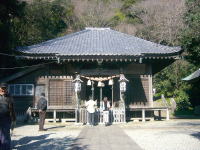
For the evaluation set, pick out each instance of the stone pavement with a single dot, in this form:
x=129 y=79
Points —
x=176 y=134
x=104 y=138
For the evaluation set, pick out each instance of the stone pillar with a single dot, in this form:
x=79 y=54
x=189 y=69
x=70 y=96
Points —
x=54 y=116
x=159 y=115
x=143 y=115
x=167 y=114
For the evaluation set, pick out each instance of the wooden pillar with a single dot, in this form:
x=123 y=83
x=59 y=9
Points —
x=54 y=116
x=92 y=82
x=100 y=94
x=167 y=114
x=159 y=114
x=76 y=115
x=77 y=108
x=124 y=115
x=150 y=91
x=87 y=117
x=112 y=96
x=143 y=115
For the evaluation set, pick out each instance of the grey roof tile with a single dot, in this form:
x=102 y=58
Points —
x=98 y=41
x=193 y=76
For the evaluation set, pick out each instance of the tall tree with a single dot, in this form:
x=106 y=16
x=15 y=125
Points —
x=191 y=36
x=162 y=21
x=43 y=20
x=191 y=44
x=9 y=10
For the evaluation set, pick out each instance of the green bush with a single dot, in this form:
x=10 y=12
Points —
x=182 y=100
x=117 y=18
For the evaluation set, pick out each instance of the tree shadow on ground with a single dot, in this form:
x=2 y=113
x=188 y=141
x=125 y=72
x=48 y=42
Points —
x=196 y=135
x=44 y=142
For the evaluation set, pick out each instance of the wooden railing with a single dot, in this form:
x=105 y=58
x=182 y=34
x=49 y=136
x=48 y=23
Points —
x=116 y=115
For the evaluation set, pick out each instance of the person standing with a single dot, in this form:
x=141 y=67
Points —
x=106 y=104
x=42 y=107
x=106 y=107
x=90 y=105
x=7 y=117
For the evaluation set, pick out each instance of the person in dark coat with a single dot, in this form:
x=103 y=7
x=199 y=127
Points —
x=7 y=117
x=106 y=107
x=42 y=107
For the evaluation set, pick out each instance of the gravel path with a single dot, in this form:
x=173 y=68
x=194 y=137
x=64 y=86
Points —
x=165 y=135
x=57 y=137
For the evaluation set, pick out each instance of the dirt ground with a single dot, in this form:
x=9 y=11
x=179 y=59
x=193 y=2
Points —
x=174 y=134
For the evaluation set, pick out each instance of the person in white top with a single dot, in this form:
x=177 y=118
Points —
x=90 y=105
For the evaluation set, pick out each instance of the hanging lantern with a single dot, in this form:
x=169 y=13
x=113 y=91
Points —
x=100 y=84
x=110 y=82
x=77 y=82
x=122 y=82
x=89 y=83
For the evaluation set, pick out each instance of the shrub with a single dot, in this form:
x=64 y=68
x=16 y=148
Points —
x=182 y=100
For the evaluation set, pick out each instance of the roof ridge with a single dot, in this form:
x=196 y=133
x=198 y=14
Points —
x=96 y=28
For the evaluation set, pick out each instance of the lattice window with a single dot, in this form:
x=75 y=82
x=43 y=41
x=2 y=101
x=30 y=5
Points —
x=60 y=92
x=69 y=87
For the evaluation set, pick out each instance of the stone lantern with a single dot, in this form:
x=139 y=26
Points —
x=77 y=82
x=77 y=87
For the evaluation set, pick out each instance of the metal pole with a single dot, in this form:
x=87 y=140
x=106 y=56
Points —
x=100 y=94
x=77 y=100
x=112 y=96
x=77 y=107
x=92 y=90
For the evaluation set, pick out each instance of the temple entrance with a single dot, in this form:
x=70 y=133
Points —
x=100 y=92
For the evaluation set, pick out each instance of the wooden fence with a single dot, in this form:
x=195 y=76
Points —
x=116 y=115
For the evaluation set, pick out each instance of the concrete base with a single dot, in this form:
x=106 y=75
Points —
x=140 y=119
x=68 y=120
x=136 y=120
x=52 y=120
x=78 y=124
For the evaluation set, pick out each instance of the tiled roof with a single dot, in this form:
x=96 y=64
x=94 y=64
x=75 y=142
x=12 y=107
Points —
x=193 y=76
x=98 y=42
